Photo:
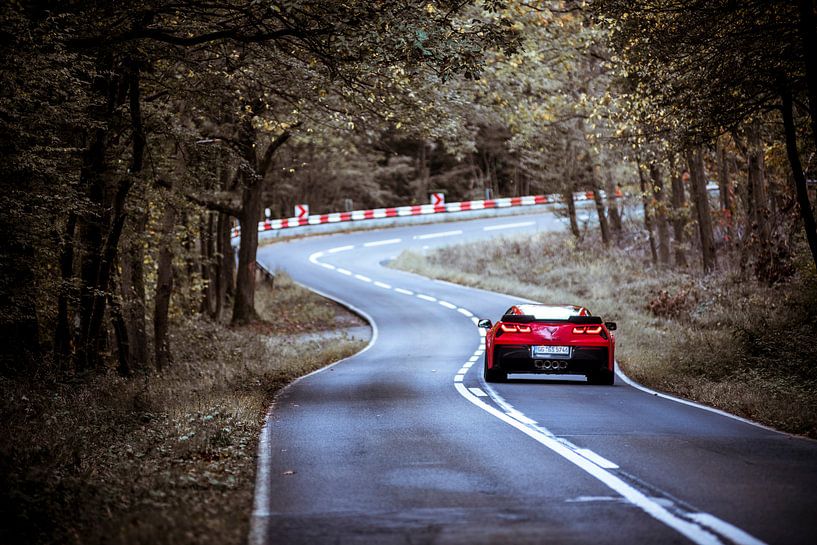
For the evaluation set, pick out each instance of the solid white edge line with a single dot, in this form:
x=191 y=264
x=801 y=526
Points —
x=261 y=495
x=638 y=386
x=382 y=242
x=477 y=392
x=692 y=531
x=725 y=529
x=597 y=458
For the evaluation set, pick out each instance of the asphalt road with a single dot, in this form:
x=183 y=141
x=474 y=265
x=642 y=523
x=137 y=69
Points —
x=403 y=443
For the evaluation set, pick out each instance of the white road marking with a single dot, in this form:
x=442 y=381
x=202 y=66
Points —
x=475 y=320
x=382 y=285
x=462 y=370
x=383 y=242
x=458 y=378
x=404 y=292
x=692 y=531
x=725 y=529
x=364 y=278
x=465 y=312
x=344 y=271
x=327 y=266
x=340 y=249
x=478 y=392
x=508 y=225
x=428 y=298
x=597 y=459
x=446 y=304
x=473 y=358
x=521 y=417
x=438 y=235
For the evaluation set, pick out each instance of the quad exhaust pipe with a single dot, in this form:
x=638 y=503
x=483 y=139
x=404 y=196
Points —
x=548 y=365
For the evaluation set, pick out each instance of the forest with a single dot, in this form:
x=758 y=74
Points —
x=136 y=135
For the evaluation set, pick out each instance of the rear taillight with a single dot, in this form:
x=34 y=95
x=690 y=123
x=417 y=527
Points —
x=588 y=329
x=515 y=328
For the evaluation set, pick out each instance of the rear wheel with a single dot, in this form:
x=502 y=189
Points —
x=493 y=375
x=603 y=377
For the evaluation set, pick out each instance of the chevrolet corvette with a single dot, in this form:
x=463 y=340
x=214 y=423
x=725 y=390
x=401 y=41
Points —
x=548 y=339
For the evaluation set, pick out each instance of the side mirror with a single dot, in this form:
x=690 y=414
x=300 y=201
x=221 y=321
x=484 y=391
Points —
x=611 y=326
x=484 y=324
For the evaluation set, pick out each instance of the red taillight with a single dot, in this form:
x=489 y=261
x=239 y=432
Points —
x=590 y=330
x=514 y=328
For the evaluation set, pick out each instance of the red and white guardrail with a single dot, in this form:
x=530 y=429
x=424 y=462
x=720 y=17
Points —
x=413 y=210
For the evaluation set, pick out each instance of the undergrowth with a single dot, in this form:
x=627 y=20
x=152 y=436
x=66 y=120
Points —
x=722 y=339
x=159 y=458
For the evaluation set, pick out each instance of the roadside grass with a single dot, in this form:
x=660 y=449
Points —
x=722 y=339
x=160 y=458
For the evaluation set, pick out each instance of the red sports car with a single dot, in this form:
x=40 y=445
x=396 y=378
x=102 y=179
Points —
x=565 y=340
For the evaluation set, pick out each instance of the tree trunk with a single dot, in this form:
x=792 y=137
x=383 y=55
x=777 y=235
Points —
x=63 y=330
x=164 y=289
x=678 y=199
x=603 y=225
x=806 y=212
x=244 y=303
x=660 y=213
x=251 y=205
x=700 y=199
x=808 y=38
x=571 y=212
x=725 y=185
x=209 y=267
x=645 y=201
x=757 y=182
x=123 y=350
x=132 y=288
x=612 y=205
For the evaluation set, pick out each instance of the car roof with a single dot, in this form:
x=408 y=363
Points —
x=549 y=312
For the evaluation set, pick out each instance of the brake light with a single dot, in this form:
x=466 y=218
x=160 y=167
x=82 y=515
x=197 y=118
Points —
x=514 y=328
x=590 y=330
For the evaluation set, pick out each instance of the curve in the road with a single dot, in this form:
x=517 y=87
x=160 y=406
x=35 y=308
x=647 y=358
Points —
x=670 y=451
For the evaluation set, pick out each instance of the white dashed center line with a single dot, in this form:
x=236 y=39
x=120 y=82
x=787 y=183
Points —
x=439 y=235
x=509 y=226
x=383 y=242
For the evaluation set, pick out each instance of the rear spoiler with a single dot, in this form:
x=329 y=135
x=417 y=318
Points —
x=528 y=318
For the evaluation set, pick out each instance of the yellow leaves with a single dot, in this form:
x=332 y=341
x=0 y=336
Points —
x=430 y=9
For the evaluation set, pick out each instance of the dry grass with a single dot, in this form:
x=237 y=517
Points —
x=164 y=458
x=723 y=340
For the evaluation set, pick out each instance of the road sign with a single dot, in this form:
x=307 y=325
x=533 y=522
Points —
x=301 y=211
x=437 y=199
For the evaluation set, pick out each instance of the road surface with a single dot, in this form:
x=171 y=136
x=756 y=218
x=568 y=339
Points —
x=404 y=444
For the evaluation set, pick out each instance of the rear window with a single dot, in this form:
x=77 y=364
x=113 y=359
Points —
x=542 y=312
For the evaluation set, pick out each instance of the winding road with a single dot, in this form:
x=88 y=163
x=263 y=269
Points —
x=405 y=444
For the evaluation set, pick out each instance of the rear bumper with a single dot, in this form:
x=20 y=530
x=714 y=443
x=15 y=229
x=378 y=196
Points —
x=583 y=360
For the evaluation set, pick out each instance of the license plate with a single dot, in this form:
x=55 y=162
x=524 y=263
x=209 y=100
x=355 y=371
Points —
x=538 y=351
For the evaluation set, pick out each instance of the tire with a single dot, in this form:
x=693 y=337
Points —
x=493 y=375
x=602 y=377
